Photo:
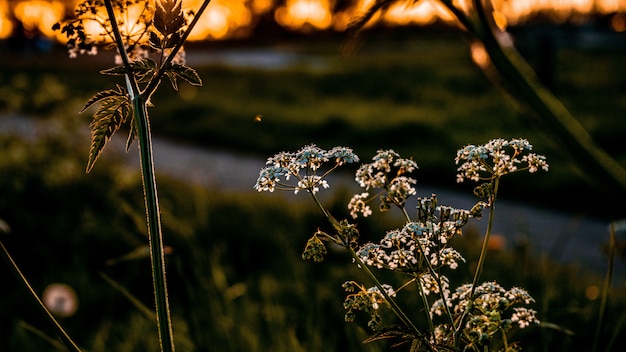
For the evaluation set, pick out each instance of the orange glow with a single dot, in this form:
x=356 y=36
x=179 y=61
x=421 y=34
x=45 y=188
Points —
x=420 y=13
x=500 y=19
x=39 y=16
x=296 y=14
x=6 y=27
x=225 y=19
x=558 y=10
x=618 y=23
x=479 y=55
x=221 y=18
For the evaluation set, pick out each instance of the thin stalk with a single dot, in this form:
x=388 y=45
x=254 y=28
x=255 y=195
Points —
x=426 y=305
x=599 y=165
x=65 y=338
x=505 y=341
x=154 y=81
x=133 y=89
x=483 y=251
x=361 y=265
x=392 y=303
x=481 y=259
x=436 y=275
x=157 y=257
x=605 y=288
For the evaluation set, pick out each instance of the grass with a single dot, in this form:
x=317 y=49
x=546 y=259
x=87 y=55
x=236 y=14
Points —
x=236 y=277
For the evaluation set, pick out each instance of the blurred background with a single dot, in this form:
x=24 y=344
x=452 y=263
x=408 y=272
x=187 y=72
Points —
x=278 y=75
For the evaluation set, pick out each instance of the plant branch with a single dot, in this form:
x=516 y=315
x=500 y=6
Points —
x=606 y=287
x=392 y=303
x=65 y=338
x=154 y=81
x=133 y=88
x=583 y=149
x=157 y=257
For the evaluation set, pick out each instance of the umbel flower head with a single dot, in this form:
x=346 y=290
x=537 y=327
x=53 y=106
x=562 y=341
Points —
x=497 y=158
x=387 y=171
x=305 y=167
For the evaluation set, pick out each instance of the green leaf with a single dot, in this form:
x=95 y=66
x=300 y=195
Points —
x=132 y=134
x=154 y=41
x=168 y=16
x=103 y=95
x=143 y=69
x=187 y=73
x=113 y=112
x=173 y=80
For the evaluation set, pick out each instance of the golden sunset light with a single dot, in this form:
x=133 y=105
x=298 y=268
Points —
x=225 y=19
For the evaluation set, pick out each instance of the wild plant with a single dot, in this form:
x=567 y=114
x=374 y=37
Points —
x=469 y=317
x=149 y=38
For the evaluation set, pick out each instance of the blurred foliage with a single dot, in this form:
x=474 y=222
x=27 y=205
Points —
x=237 y=280
x=236 y=277
x=421 y=97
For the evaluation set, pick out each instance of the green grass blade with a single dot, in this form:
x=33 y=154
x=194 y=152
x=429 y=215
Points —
x=65 y=338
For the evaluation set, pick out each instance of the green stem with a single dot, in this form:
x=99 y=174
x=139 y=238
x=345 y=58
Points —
x=133 y=89
x=361 y=265
x=392 y=303
x=605 y=288
x=481 y=259
x=426 y=305
x=46 y=313
x=436 y=275
x=505 y=341
x=157 y=257
x=483 y=251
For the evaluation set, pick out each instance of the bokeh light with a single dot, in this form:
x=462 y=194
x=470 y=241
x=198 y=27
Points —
x=226 y=19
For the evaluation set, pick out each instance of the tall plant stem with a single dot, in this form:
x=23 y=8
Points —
x=164 y=321
x=65 y=338
x=157 y=257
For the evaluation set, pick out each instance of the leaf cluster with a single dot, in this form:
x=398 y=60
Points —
x=164 y=24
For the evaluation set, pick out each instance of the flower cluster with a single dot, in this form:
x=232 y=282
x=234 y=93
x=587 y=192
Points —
x=145 y=26
x=303 y=166
x=406 y=249
x=496 y=158
x=465 y=318
x=386 y=171
x=365 y=299
x=488 y=307
x=89 y=12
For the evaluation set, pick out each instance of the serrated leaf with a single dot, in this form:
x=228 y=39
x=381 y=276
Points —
x=187 y=73
x=172 y=40
x=399 y=334
x=168 y=16
x=132 y=134
x=114 y=71
x=103 y=95
x=143 y=69
x=113 y=112
x=172 y=78
x=154 y=41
